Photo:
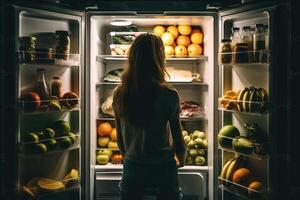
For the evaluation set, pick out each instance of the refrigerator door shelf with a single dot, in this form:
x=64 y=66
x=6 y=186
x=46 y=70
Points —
x=252 y=155
x=48 y=106
x=33 y=57
x=49 y=146
x=253 y=107
x=35 y=193
x=243 y=191
x=260 y=57
x=172 y=83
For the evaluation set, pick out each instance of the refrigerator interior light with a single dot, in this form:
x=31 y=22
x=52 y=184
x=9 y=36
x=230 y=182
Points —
x=121 y=23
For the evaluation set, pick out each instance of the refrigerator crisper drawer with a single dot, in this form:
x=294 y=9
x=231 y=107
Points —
x=193 y=185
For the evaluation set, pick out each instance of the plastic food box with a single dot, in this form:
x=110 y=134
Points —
x=123 y=37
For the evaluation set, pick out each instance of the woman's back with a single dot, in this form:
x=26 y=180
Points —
x=152 y=143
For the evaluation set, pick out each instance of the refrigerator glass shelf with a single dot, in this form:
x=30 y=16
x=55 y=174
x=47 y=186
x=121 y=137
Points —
x=242 y=190
x=38 y=194
x=186 y=119
x=107 y=58
x=261 y=65
x=231 y=105
x=24 y=65
x=48 y=146
x=33 y=57
x=120 y=166
x=252 y=155
x=244 y=57
x=38 y=107
x=172 y=83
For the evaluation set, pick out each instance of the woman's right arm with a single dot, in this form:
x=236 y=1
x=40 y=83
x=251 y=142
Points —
x=175 y=126
x=119 y=135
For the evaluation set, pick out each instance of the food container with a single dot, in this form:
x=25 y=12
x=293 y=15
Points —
x=119 y=49
x=225 y=51
x=123 y=37
x=62 y=45
x=27 y=47
x=241 y=53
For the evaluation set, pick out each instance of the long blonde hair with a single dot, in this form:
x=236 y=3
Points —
x=142 y=80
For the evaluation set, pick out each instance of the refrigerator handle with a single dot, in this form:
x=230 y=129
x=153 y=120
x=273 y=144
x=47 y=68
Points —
x=150 y=13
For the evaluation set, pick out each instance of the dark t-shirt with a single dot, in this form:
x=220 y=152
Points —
x=162 y=137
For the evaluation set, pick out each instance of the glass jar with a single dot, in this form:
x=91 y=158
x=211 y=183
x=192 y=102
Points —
x=40 y=86
x=247 y=37
x=62 y=45
x=241 y=53
x=27 y=48
x=56 y=87
x=225 y=51
x=235 y=36
x=259 y=44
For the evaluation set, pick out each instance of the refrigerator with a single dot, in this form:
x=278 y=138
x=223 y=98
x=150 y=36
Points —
x=70 y=166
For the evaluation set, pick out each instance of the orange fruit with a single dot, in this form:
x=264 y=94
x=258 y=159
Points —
x=183 y=40
x=194 y=50
x=242 y=176
x=197 y=38
x=158 y=30
x=169 y=51
x=167 y=38
x=104 y=129
x=113 y=135
x=184 y=29
x=180 y=51
x=173 y=30
x=255 y=187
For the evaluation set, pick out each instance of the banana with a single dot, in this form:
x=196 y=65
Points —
x=240 y=99
x=264 y=99
x=254 y=100
x=231 y=169
x=225 y=168
x=246 y=98
x=113 y=53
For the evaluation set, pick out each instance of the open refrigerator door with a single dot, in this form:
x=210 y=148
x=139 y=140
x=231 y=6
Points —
x=189 y=40
x=49 y=104
x=246 y=138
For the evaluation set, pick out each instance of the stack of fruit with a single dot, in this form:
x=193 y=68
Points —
x=49 y=139
x=107 y=142
x=181 y=40
x=196 y=147
x=247 y=100
x=254 y=140
x=38 y=185
x=31 y=102
x=235 y=171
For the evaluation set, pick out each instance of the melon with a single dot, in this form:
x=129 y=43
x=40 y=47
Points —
x=226 y=135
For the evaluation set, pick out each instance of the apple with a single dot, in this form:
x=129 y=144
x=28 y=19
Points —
x=103 y=141
x=32 y=101
x=113 y=145
x=183 y=40
x=70 y=100
x=180 y=51
x=105 y=152
x=102 y=159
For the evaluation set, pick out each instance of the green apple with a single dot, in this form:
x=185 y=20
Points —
x=102 y=159
x=41 y=148
x=48 y=133
x=105 y=152
x=187 y=139
x=65 y=142
x=193 y=152
x=31 y=137
x=52 y=144
x=103 y=141
x=189 y=160
x=199 y=143
x=72 y=136
x=184 y=133
x=199 y=160
x=191 y=144
x=200 y=152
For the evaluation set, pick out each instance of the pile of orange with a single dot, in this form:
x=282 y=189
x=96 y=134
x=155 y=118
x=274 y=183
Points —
x=105 y=129
x=181 y=40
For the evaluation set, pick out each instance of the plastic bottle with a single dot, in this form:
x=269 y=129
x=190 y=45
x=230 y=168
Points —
x=56 y=87
x=235 y=36
x=40 y=86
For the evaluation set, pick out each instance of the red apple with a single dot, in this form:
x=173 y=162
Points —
x=70 y=100
x=31 y=101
